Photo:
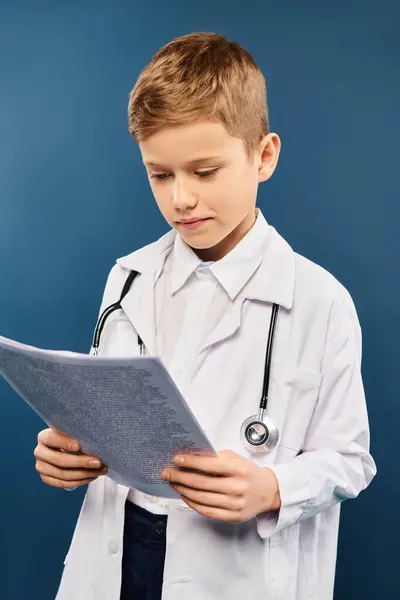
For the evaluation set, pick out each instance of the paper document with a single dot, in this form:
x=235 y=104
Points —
x=128 y=411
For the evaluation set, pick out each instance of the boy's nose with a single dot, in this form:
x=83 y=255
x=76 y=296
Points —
x=183 y=198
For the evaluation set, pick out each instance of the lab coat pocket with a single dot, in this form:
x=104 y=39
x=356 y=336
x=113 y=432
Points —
x=292 y=401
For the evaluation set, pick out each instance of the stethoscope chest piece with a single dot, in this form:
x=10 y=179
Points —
x=259 y=435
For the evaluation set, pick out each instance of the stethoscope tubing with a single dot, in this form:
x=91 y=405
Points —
x=270 y=430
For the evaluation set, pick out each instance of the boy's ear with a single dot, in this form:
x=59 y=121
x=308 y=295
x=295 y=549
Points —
x=270 y=147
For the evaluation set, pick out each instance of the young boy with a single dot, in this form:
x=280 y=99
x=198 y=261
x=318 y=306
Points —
x=264 y=523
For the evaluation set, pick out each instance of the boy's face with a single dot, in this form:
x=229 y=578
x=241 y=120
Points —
x=220 y=189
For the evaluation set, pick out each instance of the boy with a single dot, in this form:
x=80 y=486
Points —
x=261 y=523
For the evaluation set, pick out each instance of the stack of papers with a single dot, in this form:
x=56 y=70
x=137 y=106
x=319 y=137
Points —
x=127 y=411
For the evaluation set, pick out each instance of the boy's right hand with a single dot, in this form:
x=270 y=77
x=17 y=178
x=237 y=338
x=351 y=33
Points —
x=60 y=466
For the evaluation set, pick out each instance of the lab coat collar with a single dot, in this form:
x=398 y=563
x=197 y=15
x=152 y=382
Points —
x=264 y=259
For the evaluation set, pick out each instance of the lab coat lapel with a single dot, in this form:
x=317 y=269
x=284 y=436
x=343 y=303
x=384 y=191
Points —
x=272 y=282
x=138 y=306
x=139 y=303
x=229 y=323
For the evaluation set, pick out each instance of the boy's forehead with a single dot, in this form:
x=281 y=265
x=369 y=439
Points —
x=190 y=144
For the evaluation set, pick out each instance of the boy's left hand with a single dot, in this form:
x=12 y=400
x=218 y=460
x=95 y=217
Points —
x=229 y=488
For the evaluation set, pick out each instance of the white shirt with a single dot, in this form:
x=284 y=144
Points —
x=190 y=298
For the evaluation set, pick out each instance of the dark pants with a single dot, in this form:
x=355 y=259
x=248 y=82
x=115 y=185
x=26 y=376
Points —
x=143 y=554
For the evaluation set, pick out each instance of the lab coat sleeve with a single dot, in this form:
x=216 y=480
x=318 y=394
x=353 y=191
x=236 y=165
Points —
x=335 y=464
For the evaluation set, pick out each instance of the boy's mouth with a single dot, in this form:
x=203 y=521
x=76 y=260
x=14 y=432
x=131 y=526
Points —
x=192 y=223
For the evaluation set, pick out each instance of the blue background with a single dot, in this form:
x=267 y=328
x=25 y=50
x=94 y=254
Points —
x=74 y=196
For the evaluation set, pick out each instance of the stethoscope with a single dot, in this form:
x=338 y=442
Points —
x=258 y=433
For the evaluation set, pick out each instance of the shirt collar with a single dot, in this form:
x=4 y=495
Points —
x=273 y=281
x=234 y=270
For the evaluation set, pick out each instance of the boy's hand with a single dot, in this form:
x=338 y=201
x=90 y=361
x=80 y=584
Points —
x=229 y=487
x=58 y=464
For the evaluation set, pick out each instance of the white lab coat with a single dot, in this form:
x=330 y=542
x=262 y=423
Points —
x=317 y=401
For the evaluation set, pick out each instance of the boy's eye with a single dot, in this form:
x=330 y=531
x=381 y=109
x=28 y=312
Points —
x=206 y=174
x=201 y=174
x=161 y=176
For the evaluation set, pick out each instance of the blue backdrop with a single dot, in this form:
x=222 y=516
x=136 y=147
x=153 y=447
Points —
x=74 y=196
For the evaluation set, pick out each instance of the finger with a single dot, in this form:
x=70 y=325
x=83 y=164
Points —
x=214 y=465
x=52 y=439
x=211 y=499
x=67 y=474
x=222 y=485
x=214 y=513
x=66 y=460
x=69 y=485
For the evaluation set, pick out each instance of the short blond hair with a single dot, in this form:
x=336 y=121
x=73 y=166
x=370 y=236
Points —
x=201 y=76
